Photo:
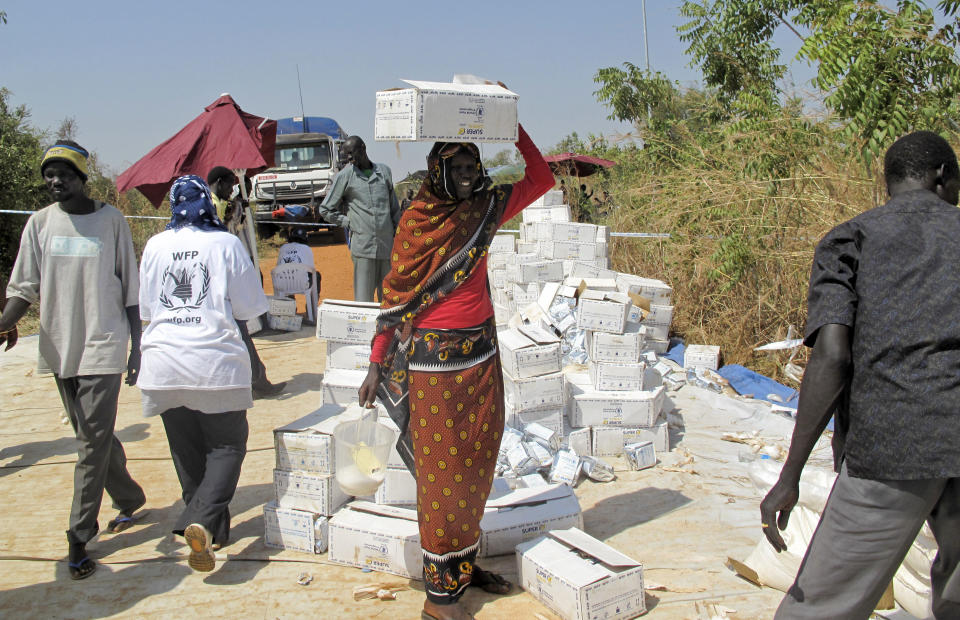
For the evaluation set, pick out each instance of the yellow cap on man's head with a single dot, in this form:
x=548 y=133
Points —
x=72 y=154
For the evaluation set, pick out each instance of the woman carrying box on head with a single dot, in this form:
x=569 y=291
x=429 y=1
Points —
x=434 y=363
x=198 y=287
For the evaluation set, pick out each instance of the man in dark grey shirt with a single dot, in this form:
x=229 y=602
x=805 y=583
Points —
x=884 y=324
x=363 y=200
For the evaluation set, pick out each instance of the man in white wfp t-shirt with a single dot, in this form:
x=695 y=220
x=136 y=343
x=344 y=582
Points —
x=198 y=287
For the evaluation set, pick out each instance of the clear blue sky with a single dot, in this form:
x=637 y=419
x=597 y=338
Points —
x=133 y=73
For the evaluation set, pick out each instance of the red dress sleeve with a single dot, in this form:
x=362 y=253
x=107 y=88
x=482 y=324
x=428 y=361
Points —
x=381 y=342
x=536 y=180
x=470 y=303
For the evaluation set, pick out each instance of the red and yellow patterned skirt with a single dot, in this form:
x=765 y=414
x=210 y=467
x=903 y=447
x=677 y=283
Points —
x=456 y=421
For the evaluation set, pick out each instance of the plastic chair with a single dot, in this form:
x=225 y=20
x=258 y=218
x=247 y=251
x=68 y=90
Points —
x=297 y=279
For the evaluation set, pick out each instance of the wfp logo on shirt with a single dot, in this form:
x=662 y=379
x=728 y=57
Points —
x=185 y=288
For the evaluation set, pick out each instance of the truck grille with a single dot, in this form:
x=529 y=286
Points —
x=282 y=191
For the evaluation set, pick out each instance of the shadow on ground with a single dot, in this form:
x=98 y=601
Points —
x=29 y=454
x=613 y=515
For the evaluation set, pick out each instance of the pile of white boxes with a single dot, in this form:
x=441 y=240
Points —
x=282 y=314
x=311 y=513
x=555 y=297
x=348 y=328
x=582 y=382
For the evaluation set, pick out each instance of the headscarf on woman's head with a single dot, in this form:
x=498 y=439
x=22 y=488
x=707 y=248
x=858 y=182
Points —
x=191 y=205
x=440 y=238
x=437 y=187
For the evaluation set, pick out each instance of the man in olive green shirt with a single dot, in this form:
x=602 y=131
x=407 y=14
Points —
x=362 y=200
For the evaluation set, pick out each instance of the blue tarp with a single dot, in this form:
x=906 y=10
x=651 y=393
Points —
x=310 y=124
x=746 y=381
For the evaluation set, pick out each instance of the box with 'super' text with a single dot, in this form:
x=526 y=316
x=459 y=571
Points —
x=352 y=322
x=375 y=537
x=528 y=351
x=581 y=578
x=523 y=514
x=296 y=530
x=448 y=112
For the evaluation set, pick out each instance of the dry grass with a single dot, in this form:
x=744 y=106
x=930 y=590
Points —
x=741 y=248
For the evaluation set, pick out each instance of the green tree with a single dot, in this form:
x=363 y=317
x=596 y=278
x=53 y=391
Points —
x=23 y=190
x=883 y=70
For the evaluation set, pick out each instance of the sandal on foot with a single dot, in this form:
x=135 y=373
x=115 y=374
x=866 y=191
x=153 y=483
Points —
x=489 y=582
x=82 y=569
x=201 y=557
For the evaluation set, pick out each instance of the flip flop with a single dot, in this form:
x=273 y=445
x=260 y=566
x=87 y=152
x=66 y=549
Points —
x=124 y=521
x=489 y=582
x=77 y=570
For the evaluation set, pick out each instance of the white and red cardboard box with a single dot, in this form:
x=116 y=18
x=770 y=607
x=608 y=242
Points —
x=399 y=488
x=524 y=294
x=317 y=493
x=551 y=198
x=701 y=356
x=503 y=243
x=538 y=271
x=610 y=440
x=528 y=351
x=344 y=356
x=284 y=323
x=561 y=231
x=588 y=406
x=572 y=250
x=341 y=386
x=522 y=514
x=282 y=306
x=603 y=311
x=617 y=376
x=587 y=270
x=656 y=291
x=353 y=322
x=377 y=537
x=554 y=213
x=604 y=347
x=538 y=392
x=447 y=112
x=296 y=530
x=581 y=578
x=307 y=444
x=551 y=418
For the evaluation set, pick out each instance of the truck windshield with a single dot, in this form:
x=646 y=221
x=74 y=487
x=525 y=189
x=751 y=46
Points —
x=303 y=157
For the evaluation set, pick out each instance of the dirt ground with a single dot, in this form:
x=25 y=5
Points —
x=681 y=523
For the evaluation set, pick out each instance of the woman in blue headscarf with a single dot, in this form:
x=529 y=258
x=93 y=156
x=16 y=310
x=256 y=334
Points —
x=197 y=288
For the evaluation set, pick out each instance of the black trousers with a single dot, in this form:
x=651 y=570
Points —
x=207 y=450
x=91 y=403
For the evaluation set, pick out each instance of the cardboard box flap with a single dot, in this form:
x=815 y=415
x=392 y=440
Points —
x=579 y=539
x=314 y=422
x=514 y=339
x=350 y=303
x=480 y=89
x=538 y=334
x=383 y=509
x=535 y=495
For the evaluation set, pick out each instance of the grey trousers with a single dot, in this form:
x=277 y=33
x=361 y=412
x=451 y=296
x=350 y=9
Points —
x=91 y=404
x=866 y=529
x=207 y=450
x=368 y=275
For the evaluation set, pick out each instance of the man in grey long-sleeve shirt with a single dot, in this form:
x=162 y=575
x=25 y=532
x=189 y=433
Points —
x=362 y=200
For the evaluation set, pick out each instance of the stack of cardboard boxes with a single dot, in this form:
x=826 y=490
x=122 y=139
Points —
x=311 y=513
x=348 y=328
x=282 y=314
